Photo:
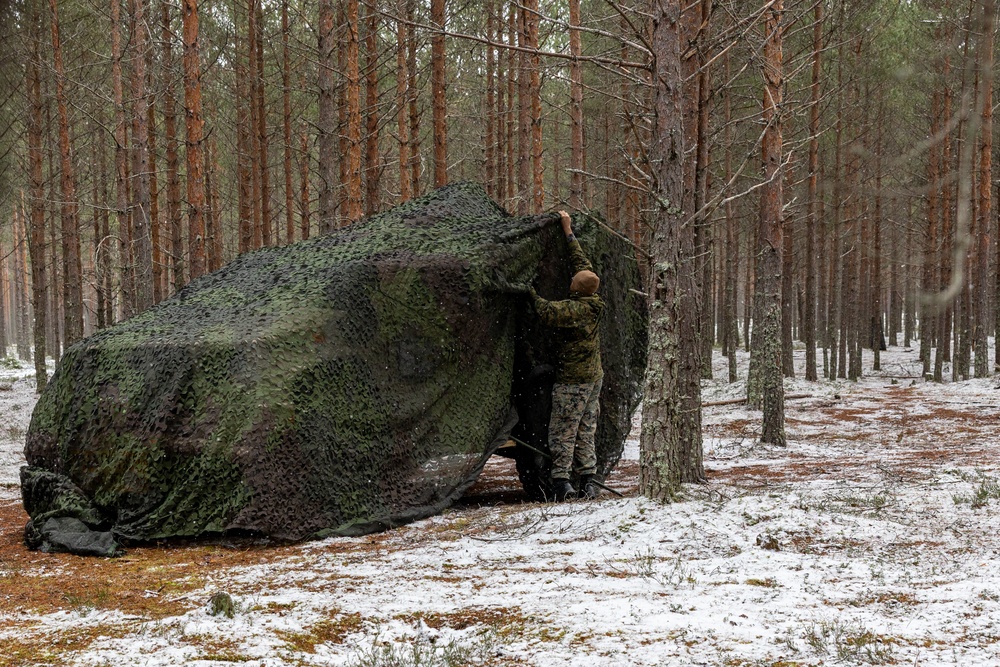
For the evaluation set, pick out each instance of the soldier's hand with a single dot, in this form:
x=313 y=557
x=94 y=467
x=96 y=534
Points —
x=519 y=288
x=566 y=222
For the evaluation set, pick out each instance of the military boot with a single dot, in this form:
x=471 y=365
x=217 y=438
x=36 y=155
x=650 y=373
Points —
x=562 y=490
x=588 y=487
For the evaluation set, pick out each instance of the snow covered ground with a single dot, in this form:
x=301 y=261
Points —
x=872 y=538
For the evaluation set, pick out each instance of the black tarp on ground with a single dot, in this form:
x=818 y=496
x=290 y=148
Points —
x=340 y=385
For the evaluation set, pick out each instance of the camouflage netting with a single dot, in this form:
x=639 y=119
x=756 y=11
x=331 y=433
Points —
x=340 y=385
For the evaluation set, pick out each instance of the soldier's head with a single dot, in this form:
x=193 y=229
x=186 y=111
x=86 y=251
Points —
x=585 y=283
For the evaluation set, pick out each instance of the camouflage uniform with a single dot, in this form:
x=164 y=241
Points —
x=575 y=406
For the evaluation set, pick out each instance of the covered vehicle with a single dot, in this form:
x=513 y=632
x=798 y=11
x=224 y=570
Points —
x=340 y=385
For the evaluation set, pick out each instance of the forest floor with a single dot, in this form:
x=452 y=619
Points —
x=872 y=538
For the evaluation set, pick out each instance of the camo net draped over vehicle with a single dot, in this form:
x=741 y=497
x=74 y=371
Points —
x=340 y=385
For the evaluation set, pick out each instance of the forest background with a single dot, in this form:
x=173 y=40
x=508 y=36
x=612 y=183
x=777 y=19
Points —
x=806 y=170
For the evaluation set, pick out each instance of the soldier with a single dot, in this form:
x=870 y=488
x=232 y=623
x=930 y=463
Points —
x=575 y=405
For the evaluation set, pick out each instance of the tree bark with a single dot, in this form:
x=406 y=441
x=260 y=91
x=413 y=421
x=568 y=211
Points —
x=662 y=459
x=193 y=138
x=304 y=197
x=765 y=385
x=326 y=121
x=373 y=167
x=36 y=179
x=809 y=316
x=173 y=161
x=411 y=87
x=438 y=92
x=576 y=107
x=267 y=231
x=985 y=189
x=535 y=93
x=489 y=144
x=402 y=96
x=72 y=270
x=244 y=175
x=141 y=222
x=286 y=126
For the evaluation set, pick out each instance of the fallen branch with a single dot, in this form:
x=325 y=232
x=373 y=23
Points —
x=737 y=401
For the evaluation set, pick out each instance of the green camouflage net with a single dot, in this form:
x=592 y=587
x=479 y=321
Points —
x=340 y=385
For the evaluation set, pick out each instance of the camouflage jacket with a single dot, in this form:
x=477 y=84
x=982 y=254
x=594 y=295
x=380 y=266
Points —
x=576 y=322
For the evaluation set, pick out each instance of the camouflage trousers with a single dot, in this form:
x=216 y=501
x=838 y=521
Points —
x=575 y=408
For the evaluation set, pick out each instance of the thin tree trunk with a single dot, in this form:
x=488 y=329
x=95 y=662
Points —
x=373 y=170
x=809 y=316
x=402 y=96
x=193 y=137
x=523 y=116
x=765 y=385
x=438 y=94
x=267 y=231
x=304 y=186
x=326 y=121
x=244 y=177
x=72 y=270
x=535 y=93
x=252 y=120
x=411 y=86
x=36 y=237
x=930 y=243
x=704 y=241
x=154 y=193
x=352 y=108
x=141 y=221
x=173 y=160
x=985 y=189
x=489 y=144
x=286 y=127
x=731 y=332
x=576 y=107
x=689 y=370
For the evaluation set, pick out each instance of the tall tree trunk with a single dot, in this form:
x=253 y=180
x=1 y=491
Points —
x=704 y=240
x=438 y=94
x=193 y=137
x=252 y=121
x=928 y=285
x=173 y=161
x=535 y=93
x=523 y=116
x=155 y=229
x=352 y=108
x=373 y=169
x=411 y=86
x=244 y=142
x=216 y=253
x=304 y=216
x=267 y=231
x=809 y=316
x=326 y=122
x=22 y=329
x=943 y=320
x=834 y=315
x=985 y=188
x=102 y=238
x=489 y=145
x=731 y=331
x=662 y=457
x=141 y=222
x=402 y=96
x=36 y=179
x=576 y=107
x=286 y=126
x=765 y=385
x=72 y=270
x=689 y=370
